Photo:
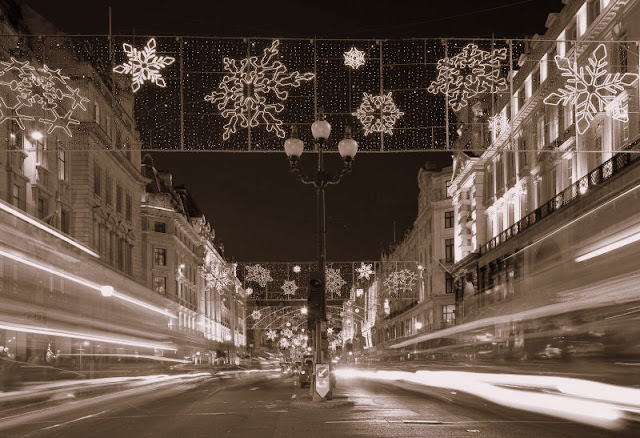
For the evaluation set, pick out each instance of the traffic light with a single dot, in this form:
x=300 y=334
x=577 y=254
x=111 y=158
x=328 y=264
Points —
x=315 y=302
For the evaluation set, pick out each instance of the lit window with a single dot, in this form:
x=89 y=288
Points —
x=62 y=165
x=543 y=68
x=160 y=256
x=160 y=284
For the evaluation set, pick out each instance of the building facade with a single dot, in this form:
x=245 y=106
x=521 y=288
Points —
x=553 y=183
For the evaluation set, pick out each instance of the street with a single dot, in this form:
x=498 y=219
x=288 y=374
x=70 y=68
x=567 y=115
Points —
x=277 y=407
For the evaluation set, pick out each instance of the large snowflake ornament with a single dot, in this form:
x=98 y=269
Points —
x=252 y=91
x=272 y=335
x=260 y=275
x=289 y=287
x=498 y=124
x=33 y=92
x=144 y=65
x=334 y=281
x=378 y=113
x=469 y=73
x=354 y=58
x=400 y=281
x=365 y=270
x=591 y=88
x=256 y=315
x=217 y=277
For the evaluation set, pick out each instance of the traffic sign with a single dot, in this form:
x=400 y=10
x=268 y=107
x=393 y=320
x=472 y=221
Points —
x=323 y=381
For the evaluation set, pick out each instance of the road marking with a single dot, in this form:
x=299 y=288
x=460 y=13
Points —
x=73 y=421
x=254 y=388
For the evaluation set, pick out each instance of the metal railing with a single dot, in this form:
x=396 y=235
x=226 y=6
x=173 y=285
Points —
x=576 y=190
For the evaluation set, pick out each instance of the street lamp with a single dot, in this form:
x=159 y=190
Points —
x=293 y=147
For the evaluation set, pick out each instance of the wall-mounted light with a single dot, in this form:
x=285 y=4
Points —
x=36 y=135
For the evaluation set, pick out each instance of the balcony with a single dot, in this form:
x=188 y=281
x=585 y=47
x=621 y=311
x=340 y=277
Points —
x=596 y=177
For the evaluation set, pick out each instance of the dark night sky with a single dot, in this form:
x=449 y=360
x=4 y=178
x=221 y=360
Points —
x=259 y=210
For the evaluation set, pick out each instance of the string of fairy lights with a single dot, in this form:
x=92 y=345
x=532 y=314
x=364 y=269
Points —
x=240 y=94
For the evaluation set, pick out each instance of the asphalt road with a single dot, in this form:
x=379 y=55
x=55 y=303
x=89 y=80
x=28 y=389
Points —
x=277 y=407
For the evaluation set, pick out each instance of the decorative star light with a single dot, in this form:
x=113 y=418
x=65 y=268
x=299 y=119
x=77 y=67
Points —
x=591 y=89
x=289 y=287
x=245 y=95
x=400 y=281
x=330 y=331
x=469 y=73
x=144 y=65
x=272 y=335
x=498 y=124
x=365 y=270
x=256 y=315
x=354 y=58
x=334 y=281
x=260 y=275
x=378 y=113
x=38 y=90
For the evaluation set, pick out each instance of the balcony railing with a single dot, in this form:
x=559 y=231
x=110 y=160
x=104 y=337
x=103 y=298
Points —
x=576 y=190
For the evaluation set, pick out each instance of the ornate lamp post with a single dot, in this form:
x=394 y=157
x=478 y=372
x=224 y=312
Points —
x=293 y=147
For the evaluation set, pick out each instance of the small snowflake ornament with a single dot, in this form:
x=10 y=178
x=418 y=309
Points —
x=144 y=65
x=284 y=343
x=334 y=281
x=256 y=315
x=354 y=58
x=258 y=274
x=289 y=287
x=471 y=72
x=272 y=335
x=378 y=113
x=287 y=333
x=253 y=91
x=591 y=88
x=365 y=271
x=330 y=331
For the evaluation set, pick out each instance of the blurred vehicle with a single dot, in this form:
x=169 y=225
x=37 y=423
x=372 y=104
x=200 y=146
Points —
x=296 y=368
x=305 y=373
x=549 y=352
x=286 y=370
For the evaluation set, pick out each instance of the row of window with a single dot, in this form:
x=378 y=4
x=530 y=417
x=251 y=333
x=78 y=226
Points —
x=113 y=248
x=127 y=205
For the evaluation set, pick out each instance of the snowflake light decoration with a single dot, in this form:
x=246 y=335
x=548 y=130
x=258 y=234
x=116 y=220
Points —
x=591 y=88
x=354 y=58
x=272 y=335
x=260 y=275
x=330 y=331
x=289 y=287
x=287 y=333
x=498 y=124
x=378 y=113
x=38 y=90
x=334 y=281
x=284 y=343
x=144 y=65
x=469 y=73
x=217 y=277
x=400 y=281
x=256 y=315
x=365 y=270
x=244 y=95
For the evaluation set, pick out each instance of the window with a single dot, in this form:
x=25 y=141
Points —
x=448 y=250
x=15 y=195
x=97 y=175
x=42 y=208
x=540 y=133
x=37 y=142
x=64 y=221
x=511 y=167
x=160 y=227
x=108 y=191
x=593 y=10
x=15 y=136
x=569 y=171
x=543 y=68
x=118 y=198
x=128 y=207
x=448 y=283
x=446 y=189
x=121 y=253
x=499 y=175
x=160 y=256
x=448 y=314
x=568 y=116
x=570 y=35
x=522 y=151
x=160 y=284
x=448 y=219
x=521 y=98
x=490 y=190
x=553 y=122
x=97 y=113
x=62 y=165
